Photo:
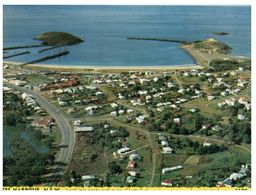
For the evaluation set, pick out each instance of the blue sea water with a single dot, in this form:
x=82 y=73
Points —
x=105 y=28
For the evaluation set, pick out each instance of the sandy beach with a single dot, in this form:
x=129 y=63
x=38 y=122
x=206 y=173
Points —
x=88 y=68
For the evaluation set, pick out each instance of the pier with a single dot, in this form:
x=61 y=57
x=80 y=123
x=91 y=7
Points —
x=47 y=49
x=158 y=39
x=46 y=58
x=17 y=54
x=22 y=47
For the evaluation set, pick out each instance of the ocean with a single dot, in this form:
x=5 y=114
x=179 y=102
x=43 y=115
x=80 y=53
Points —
x=105 y=30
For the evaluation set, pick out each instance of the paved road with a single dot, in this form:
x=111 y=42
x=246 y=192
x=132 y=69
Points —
x=67 y=133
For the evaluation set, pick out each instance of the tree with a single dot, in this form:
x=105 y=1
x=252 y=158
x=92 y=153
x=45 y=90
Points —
x=168 y=124
x=11 y=119
x=174 y=129
x=114 y=168
x=198 y=122
x=93 y=157
x=123 y=133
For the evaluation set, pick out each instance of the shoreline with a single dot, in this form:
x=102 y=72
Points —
x=102 y=68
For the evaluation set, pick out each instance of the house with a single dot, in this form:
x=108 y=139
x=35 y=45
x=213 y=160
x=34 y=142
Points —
x=181 y=91
x=236 y=176
x=162 y=137
x=45 y=122
x=193 y=110
x=143 y=92
x=164 y=143
x=206 y=144
x=87 y=177
x=132 y=173
x=177 y=120
x=131 y=164
x=170 y=85
x=210 y=97
x=169 y=169
x=113 y=113
x=123 y=150
x=7 y=89
x=112 y=132
x=91 y=108
x=185 y=74
x=221 y=104
x=130 y=179
x=140 y=119
x=240 y=68
x=24 y=96
x=77 y=123
x=244 y=169
x=78 y=101
x=98 y=93
x=166 y=182
x=106 y=126
x=71 y=110
x=167 y=150
x=83 y=129
x=18 y=82
x=114 y=105
x=216 y=128
x=120 y=96
x=241 y=117
x=160 y=109
x=173 y=106
x=62 y=103
x=97 y=82
x=120 y=111
x=228 y=182
x=72 y=81
x=224 y=93
x=182 y=100
x=243 y=100
x=134 y=157
x=129 y=110
x=230 y=102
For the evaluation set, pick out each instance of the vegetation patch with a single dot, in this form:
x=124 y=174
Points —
x=58 y=39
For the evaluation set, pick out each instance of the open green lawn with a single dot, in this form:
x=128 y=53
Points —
x=191 y=80
x=231 y=159
x=81 y=112
x=37 y=79
x=192 y=160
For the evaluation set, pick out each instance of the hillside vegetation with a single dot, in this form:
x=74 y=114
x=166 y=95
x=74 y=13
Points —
x=212 y=46
x=58 y=39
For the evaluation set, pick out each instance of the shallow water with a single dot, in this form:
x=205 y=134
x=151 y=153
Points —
x=8 y=132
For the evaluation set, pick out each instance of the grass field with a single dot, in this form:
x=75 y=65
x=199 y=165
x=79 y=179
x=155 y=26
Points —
x=81 y=162
x=192 y=160
x=37 y=79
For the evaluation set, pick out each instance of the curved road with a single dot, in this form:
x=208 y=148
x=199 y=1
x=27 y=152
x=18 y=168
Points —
x=67 y=133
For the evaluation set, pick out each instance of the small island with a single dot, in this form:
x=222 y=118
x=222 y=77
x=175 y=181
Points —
x=58 y=39
x=220 y=33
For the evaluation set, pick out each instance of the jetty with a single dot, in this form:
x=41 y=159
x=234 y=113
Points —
x=47 y=49
x=46 y=58
x=158 y=39
x=16 y=54
x=22 y=47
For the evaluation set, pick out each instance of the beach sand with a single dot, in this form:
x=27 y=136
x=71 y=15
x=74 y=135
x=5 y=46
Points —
x=104 y=69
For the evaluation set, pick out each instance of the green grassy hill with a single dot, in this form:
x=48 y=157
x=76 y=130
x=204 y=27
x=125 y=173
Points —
x=58 y=39
x=212 y=46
